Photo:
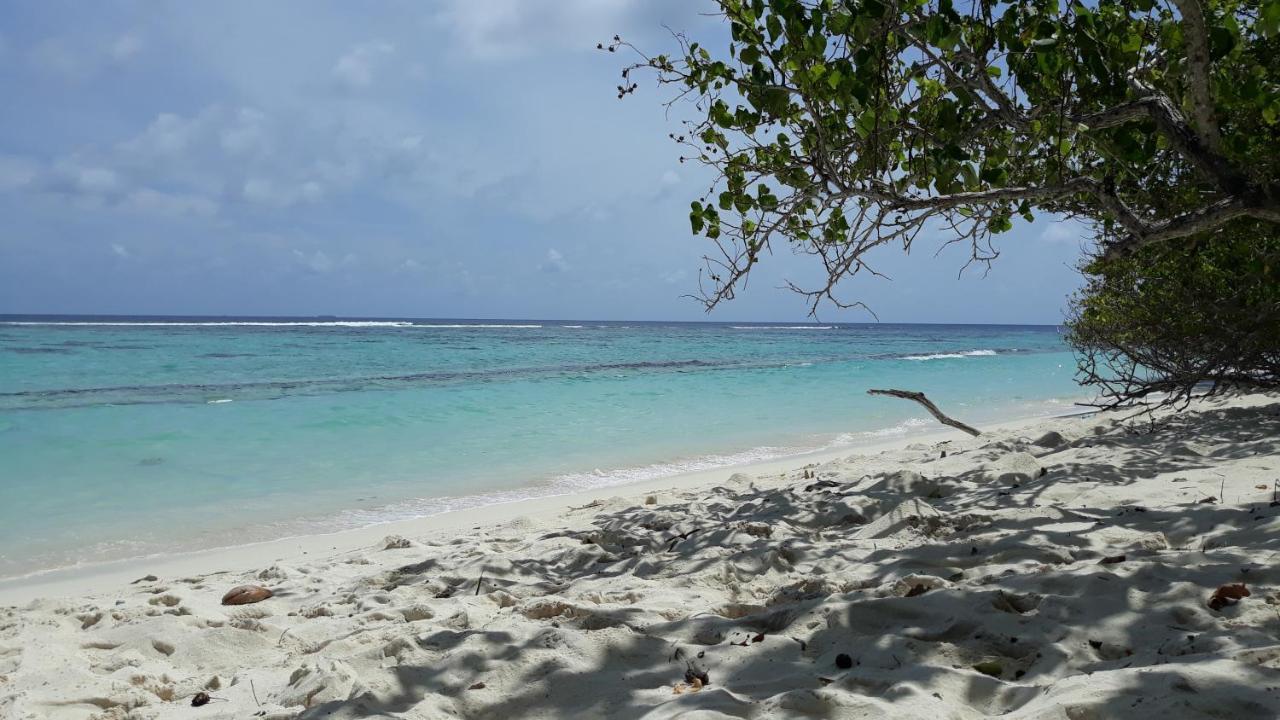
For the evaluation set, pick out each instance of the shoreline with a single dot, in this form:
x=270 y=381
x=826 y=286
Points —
x=102 y=575
x=1077 y=566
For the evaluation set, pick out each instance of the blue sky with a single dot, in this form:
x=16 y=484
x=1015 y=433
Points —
x=456 y=158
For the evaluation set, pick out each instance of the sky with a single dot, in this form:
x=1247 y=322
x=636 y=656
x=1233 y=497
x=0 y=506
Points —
x=451 y=158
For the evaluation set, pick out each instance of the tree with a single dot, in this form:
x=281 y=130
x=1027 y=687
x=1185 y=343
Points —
x=839 y=126
x=1175 y=320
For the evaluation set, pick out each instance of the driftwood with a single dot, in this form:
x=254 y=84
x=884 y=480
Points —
x=933 y=409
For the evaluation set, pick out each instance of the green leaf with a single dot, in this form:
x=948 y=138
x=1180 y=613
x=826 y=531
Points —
x=1269 y=19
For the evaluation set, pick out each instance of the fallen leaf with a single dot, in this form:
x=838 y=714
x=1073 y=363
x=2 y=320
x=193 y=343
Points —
x=477 y=686
x=699 y=676
x=1227 y=595
x=199 y=699
x=1261 y=487
x=758 y=638
x=990 y=667
x=843 y=661
x=1112 y=559
x=1210 y=499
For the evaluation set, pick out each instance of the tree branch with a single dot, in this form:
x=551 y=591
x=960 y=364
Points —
x=1196 y=40
x=1175 y=127
x=928 y=405
x=1138 y=232
x=1191 y=223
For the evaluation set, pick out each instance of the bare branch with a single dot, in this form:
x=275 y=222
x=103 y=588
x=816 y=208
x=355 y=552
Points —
x=928 y=405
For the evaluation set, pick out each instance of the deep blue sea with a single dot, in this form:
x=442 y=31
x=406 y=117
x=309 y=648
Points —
x=123 y=437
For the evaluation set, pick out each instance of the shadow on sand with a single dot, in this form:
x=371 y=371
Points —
x=837 y=595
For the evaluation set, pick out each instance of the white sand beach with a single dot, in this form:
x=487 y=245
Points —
x=1057 y=569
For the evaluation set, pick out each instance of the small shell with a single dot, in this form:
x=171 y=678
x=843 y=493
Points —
x=245 y=595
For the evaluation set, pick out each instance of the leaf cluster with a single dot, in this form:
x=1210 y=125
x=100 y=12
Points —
x=1173 y=321
x=838 y=126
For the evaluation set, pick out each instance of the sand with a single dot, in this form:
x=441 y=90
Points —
x=1061 y=569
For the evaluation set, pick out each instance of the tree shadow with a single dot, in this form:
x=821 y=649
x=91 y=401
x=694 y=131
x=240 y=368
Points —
x=1024 y=600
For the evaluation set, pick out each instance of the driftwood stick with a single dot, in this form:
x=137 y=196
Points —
x=928 y=405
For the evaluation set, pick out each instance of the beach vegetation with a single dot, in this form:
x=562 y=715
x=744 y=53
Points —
x=836 y=127
x=1175 y=320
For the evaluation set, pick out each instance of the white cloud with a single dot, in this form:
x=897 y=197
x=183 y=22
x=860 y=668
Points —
x=317 y=262
x=79 y=58
x=356 y=68
x=162 y=203
x=15 y=173
x=1062 y=232
x=125 y=47
x=555 y=262
x=119 y=250
x=674 y=277
x=504 y=28
x=246 y=132
x=269 y=192
x=670 y=177
x=168 y=134
x=96 y=181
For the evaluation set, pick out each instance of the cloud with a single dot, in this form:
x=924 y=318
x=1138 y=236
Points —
x=125 y=47
x=670 y=177
x=505 y=28
x=674 y=277
x=16 y=172
x=70 y=177
x=555 y=262
x=148 y=200
x=264 y=191
x=168 y=134
x=317 y=262
x=356 y=68
x=245 y=133
x=119 y=250
x=1062 y=232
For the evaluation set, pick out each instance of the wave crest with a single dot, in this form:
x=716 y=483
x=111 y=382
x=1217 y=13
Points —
x=952 y=355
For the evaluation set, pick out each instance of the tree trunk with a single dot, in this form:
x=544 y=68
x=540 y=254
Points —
x=933 y=409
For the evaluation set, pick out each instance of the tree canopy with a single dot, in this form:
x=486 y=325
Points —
x=1175 y=320
x=839 y=126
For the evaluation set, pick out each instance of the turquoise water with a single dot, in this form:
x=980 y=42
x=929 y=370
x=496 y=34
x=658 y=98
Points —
x=123 y=437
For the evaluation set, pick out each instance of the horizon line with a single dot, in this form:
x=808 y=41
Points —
x=406 y=318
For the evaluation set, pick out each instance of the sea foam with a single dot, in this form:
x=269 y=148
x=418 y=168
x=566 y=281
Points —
x=945 y=356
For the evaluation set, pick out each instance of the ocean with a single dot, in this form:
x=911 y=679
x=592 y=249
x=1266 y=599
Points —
x=125 y=437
